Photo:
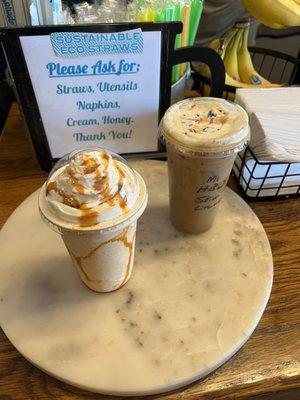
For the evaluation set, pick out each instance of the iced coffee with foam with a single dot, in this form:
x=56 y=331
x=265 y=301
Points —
x=94 y=199
x=202 y=137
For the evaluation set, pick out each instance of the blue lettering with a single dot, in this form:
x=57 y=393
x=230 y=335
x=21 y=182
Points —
x=81 y=122
x=56 y=69
x=59 y=89
x=51 y=68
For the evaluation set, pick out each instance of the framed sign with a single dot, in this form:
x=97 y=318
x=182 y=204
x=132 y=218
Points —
x=101 y=85
x=104 y=85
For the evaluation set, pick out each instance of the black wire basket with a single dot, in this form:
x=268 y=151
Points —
x=266 y=180
x=263 y=180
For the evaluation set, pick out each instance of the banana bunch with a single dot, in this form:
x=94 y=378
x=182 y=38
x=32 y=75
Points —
x=220 y=46
x=277 y=14
x=239 y=68
x=233 y=49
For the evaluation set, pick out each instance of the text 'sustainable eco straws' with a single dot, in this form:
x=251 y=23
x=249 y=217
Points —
x=52 y=12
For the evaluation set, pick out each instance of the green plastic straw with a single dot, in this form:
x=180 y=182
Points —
x=160 y=16
x=168 y=11
x=177 y=17
x=169 y=14
x=196 y=11
x=169 y=17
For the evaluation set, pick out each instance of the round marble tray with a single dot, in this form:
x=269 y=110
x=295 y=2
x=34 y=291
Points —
x=191 y=303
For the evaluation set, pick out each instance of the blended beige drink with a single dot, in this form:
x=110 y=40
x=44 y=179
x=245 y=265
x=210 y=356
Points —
x=93 y=199
x=202 y=137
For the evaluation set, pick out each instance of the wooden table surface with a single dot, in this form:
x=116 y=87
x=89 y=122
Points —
x=267 y=367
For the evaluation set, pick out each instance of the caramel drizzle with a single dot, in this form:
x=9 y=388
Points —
x=67 y=199
x=88 y=217
x=122 y=237
x=75 y=182
x=105 y=156
x=103 y=181
x=51 y=186
x=131 y=253
x=118 y=198
x=102 y=184
x=90 y=165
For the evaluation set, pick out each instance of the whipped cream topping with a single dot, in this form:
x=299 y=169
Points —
x=91 y=189
x=206 y=124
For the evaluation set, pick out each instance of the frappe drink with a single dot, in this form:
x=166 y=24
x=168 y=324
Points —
x=202 y=137
x=93 y=199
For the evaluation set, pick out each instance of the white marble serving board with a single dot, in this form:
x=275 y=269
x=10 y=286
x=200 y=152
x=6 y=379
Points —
x=192 y=301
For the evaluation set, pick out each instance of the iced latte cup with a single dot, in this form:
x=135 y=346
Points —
x=202 y=137
x=93 y=200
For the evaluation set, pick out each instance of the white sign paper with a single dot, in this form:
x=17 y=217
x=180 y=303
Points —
x=96 y=94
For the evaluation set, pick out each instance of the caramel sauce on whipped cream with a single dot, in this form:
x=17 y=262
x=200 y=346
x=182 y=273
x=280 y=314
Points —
x=91 y=188
x=122 y=201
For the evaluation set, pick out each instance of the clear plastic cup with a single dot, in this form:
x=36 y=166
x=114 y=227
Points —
x=102 y=253
x=199 y=169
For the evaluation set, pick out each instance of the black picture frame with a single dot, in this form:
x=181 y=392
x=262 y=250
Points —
x=10 y=40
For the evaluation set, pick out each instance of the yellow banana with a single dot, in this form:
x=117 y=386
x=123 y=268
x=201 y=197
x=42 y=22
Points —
x=219 y=45
x=233 y=49
x=231 y=58
x=247 y=72
x=227 y=39
x=215 y=45
x=276 y=14
x=264 y=20
x=232 y=82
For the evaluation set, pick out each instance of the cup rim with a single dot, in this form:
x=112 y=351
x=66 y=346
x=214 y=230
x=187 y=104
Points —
x=207 y=154
x=207 y=150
